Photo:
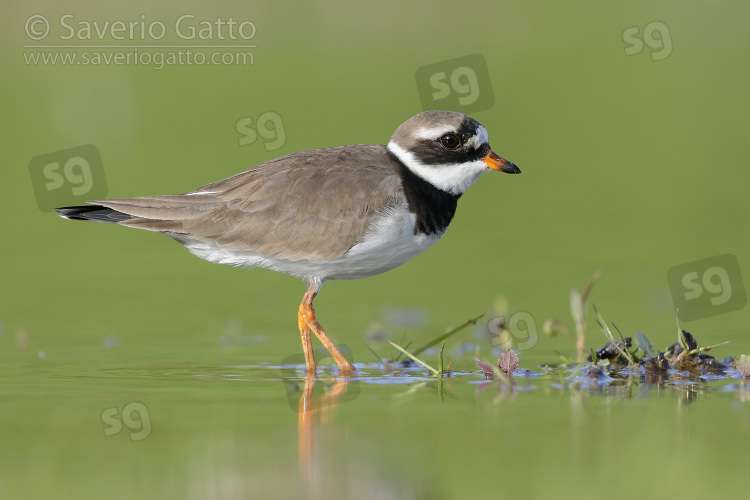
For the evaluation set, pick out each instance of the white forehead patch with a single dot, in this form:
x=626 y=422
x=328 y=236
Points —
x=481 y=138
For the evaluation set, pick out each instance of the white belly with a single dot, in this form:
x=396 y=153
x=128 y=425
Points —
x=389 y=243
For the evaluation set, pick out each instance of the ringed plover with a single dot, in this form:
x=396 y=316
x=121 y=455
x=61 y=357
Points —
x=337 y=213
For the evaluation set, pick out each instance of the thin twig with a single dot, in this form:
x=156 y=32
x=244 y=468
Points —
x=414 y=358
x=431 y=343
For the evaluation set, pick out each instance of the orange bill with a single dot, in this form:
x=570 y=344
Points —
x=497 y=162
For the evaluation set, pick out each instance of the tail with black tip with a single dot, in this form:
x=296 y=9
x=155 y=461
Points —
x=96 y=213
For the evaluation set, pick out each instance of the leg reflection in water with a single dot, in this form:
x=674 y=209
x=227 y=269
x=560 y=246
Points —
x=311 y=411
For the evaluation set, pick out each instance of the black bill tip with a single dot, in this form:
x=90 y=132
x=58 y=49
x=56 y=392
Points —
x=511 y=168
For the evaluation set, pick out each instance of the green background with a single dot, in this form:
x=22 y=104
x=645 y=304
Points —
x=629 y=165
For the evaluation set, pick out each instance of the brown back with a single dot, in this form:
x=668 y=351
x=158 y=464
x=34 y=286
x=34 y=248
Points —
x=314 y=204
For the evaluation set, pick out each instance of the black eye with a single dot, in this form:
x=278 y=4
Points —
x=450 y=141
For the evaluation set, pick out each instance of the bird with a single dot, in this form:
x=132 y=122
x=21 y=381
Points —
x=337 y=213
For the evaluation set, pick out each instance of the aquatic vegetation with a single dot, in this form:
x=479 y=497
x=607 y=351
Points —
x=618 y=367
x=743 y=365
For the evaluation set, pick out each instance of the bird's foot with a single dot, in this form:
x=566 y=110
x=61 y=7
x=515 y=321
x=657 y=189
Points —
x=308 y=323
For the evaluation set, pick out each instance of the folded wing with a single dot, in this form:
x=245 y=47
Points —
x=312 y=205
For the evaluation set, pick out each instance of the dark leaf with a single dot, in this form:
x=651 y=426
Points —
x=644 y=344
x=508 y=362
x=487 y=369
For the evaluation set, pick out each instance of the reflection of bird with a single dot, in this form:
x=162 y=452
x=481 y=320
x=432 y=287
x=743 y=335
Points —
x=327 y=214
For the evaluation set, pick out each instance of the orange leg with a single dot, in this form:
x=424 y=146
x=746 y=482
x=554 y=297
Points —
x=307 y=348
x=307 y=323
